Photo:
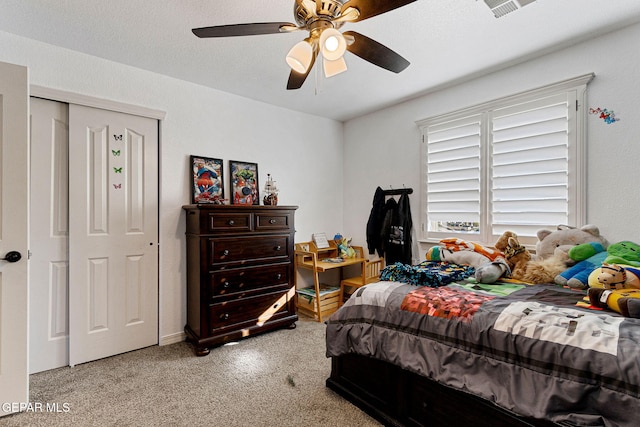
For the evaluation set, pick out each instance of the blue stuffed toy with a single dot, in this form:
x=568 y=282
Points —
x=590 y=256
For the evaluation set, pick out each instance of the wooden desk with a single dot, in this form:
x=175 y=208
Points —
x=309 y=257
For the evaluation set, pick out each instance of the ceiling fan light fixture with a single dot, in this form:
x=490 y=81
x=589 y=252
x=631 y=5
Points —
x=331 y=68
x=333 y=44
x=300 y=56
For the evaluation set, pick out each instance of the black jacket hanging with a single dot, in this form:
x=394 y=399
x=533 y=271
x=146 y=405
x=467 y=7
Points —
x=374 y=225
x=396 y=231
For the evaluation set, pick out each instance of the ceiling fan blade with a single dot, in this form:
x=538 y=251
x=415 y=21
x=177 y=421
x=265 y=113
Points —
x=374 y=52
x=241 y=29
x=297 y=79
x=369 y=8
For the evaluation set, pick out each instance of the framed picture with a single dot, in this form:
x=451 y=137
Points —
x=244 y=183
x=207 y=176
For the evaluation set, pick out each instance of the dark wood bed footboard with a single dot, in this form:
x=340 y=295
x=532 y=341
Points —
x=397 y=397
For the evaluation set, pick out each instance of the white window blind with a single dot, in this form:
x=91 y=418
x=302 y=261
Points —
x=530 y=164
x=512 y=164
x=453 y=170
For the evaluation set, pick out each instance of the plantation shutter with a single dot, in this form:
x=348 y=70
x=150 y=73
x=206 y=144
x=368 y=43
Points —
x=530 y=152
x=516 y=163
x=453 y=170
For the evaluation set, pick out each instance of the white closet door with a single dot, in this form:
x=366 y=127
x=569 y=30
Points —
x=14 y=214
x=49 y=262
x=113 y=251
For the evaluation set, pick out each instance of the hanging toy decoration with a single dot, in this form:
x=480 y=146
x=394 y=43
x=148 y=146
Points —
x=609 y=117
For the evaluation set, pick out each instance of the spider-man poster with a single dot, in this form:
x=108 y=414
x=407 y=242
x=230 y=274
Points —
x=207 y=180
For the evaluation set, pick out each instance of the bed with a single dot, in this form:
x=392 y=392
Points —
x=463 y=353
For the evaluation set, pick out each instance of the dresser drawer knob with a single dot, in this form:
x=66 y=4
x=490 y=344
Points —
x=225 y=252
x=279 y=276
x=278 y=248
x=226 y=285
x=224 y=316
x=231 y=222
x=272 y=221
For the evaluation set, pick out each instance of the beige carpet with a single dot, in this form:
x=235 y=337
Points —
x=273 y=379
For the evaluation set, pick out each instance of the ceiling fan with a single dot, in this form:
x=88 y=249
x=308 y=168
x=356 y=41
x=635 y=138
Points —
x=322 y=19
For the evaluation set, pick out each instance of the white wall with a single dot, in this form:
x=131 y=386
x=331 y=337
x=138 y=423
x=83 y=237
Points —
x=383 y=148
x=204 y=122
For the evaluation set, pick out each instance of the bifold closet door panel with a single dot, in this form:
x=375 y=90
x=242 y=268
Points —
x=113 y=249
x=49 y=236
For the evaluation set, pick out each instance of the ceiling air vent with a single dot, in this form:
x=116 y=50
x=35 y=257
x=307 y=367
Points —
x=502 y=7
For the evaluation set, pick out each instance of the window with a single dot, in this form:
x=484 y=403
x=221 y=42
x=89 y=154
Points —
x=516 y=164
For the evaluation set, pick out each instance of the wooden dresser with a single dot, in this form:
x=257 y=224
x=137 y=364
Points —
x=240 y=272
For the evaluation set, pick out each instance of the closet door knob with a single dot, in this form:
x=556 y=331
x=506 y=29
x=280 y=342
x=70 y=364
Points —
x=12 y=256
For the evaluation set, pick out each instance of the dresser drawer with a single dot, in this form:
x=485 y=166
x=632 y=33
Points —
x=223 y=283
x=250 y=249
x=279 y=220
x=247 y=312
x=226 y=222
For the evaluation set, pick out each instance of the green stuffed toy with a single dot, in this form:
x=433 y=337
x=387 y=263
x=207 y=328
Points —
x=624 y=252
x=589 y=256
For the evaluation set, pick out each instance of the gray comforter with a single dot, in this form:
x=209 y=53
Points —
x=530 y=349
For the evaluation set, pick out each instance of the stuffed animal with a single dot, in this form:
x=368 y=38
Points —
x=345 y=249
x=472 y=258
x=589 y=256
x=503 y=241
x=615 y=276
x=489 y=263
x=490 y=272
x=517 y=257
x=552 y=251
x=507 y=243
x=626 y=253
x=543 y=271
x=624 y=301
x=564 y=238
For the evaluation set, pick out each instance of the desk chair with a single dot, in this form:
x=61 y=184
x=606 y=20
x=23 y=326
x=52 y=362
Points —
x=370 y=273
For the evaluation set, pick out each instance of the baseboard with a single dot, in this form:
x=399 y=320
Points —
x=173 y=338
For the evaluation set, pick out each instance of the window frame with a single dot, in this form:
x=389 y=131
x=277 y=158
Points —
x=576 y=89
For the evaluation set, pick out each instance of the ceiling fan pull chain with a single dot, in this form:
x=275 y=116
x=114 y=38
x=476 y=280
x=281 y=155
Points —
x=317 y=80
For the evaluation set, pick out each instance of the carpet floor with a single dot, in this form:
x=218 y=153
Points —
x=273 y=379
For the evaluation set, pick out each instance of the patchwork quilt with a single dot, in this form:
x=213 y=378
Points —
x=528 y=349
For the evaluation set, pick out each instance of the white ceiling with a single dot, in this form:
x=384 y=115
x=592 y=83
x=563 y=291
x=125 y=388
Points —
x=445 y=41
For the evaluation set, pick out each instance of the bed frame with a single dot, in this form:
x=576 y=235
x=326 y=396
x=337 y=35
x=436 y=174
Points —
x=397 y=397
